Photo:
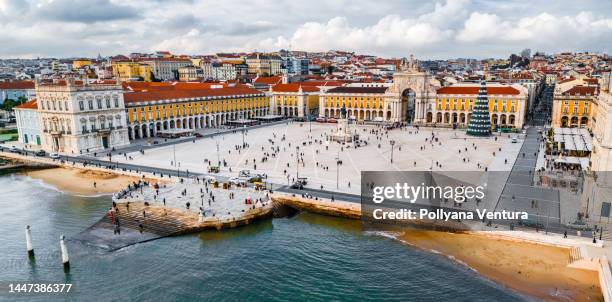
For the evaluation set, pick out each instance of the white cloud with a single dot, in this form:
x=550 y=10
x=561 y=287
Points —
x=446 y=28
x=541 y=29
x=390 y=32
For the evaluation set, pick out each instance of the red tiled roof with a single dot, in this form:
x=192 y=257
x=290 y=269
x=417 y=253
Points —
x=31 y=104
x=267 y=80
x=474 y=90
x=294 y=87
x=567 y=80
x=322 y=83
x=346 y=89
x=150 y=86
x=17 y=85
x=141 y=96
x=581 y=90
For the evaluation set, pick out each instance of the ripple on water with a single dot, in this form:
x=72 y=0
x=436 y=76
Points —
x=307 y=257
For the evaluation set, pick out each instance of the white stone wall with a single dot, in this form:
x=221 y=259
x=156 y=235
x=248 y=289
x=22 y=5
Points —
x=28 y=125
x=75 y=120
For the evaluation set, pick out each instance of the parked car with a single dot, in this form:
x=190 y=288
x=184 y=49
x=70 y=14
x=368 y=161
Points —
x=198 y=135
x=40 y=153
x=13 y=149
x=237 y=181
x=245 y=173
x=514 y=139
x=210 y=179
x=54 y=155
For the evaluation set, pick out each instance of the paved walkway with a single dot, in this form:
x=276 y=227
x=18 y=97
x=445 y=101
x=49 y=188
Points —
x=542 y=204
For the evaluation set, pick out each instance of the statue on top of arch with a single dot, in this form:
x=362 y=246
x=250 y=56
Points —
x=409 y=64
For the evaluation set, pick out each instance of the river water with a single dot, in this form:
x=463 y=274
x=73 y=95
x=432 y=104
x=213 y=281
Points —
x=306 y=257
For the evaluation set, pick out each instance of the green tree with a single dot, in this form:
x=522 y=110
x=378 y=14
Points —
x=9 y=104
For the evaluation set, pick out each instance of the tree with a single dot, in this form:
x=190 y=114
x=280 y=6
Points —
x=9 y=104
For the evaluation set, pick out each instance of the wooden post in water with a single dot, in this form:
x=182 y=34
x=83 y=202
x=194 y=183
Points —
x=29 y=246
x=64 y=250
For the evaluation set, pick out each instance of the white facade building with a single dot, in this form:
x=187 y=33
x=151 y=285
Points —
x=28 y=123
x=81 y=118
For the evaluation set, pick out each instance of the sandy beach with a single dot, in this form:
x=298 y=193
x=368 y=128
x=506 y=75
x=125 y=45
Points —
x=538 y=270
x=80 y=181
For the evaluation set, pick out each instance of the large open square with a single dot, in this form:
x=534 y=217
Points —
x=272 y=151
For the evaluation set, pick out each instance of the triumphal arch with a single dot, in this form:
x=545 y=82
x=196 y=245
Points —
x=412 y=96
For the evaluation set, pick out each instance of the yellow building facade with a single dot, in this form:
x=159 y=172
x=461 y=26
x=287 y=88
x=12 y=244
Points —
x=360 y=103
x=150 y=112
x=453 y=106
x=294 y=100
x=80 y=63
x=131 y=71
x=575 y=107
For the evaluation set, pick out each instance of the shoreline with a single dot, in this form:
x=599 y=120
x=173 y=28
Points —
x=542 y=268
x=538 y=270
x=542 y=272
x=79 y=181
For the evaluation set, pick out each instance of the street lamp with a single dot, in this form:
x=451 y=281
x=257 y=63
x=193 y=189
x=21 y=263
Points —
x=243 y=130
x=309 y=123
x=338 y=170
x=392 y=144
x=175 y=164
x=217 y=143
x=297 y=162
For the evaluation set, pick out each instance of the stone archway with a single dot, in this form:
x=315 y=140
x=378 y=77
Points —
x=410 y=93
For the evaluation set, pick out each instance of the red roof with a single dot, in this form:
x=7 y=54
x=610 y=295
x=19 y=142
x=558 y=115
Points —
x=294 y=87
x=567 y=80
x=322 y=83
x=474 y=90
x=17 y=85
x=581 y=90
x=143 y=96
x=31 y=104
x=267 y=80
x=149 y=86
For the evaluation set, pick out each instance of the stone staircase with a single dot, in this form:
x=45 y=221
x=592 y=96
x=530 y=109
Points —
x=575 y=255
x=156 y=223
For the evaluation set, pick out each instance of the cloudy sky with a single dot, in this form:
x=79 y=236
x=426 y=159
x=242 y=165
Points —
x=390 y=28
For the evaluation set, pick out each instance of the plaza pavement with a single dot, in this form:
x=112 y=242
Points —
x=318 y=156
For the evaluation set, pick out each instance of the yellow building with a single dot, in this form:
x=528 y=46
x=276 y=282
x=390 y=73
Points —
x=151 y=111
x=294 y=99
x=131 y=71
x=360 y=103
x=574 y=107
x=80 y=63
x=453 y=105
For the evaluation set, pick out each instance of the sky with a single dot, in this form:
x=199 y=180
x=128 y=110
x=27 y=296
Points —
x=389 y=28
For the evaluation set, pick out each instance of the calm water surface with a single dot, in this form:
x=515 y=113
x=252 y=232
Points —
x=307 y=257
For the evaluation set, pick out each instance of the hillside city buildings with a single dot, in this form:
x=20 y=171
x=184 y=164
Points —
x=161 y=92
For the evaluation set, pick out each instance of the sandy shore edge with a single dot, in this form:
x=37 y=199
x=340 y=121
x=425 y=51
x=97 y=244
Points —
x=538 y=270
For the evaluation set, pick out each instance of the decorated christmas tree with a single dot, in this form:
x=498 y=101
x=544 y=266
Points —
x=480 y=122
